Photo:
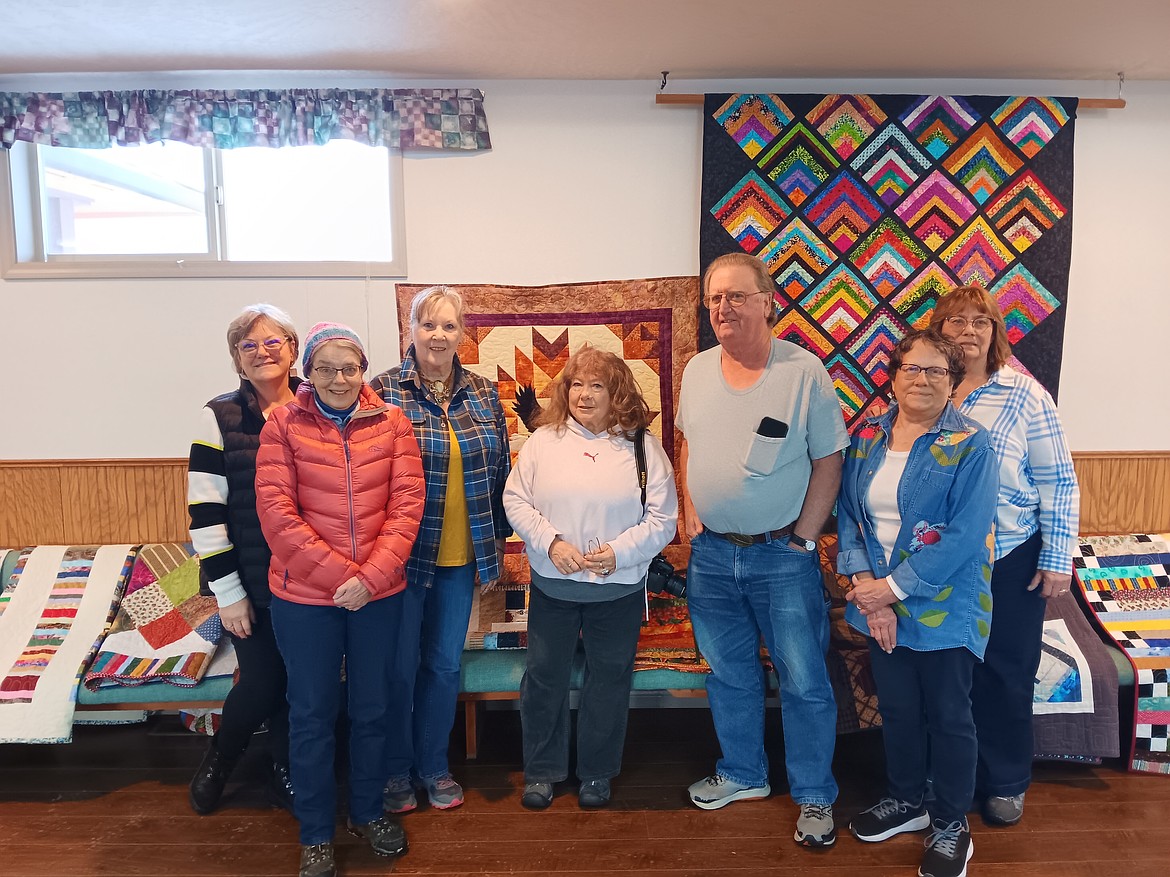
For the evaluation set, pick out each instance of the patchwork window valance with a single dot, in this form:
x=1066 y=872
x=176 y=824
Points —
x=409 y=118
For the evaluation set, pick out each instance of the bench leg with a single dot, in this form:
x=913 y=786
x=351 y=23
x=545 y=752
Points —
x=471 y=728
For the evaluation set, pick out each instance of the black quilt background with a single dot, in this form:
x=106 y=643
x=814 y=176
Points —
x=726 y=163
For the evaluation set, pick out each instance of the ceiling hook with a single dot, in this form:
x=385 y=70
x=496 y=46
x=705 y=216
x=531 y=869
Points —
x=662 y=85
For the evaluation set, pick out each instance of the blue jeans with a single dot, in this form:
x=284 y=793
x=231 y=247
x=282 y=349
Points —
x=1003 y=685
x=426 y=678
x=735 y=594
x=925 y=702
x=313 y=641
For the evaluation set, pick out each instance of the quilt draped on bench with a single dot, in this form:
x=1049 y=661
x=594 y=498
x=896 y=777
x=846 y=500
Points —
x=54 y=610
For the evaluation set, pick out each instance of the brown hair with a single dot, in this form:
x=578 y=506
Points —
x=249 y=317
x=628 y=410
x=959 y=299
x=956 y=362
x=759 y=270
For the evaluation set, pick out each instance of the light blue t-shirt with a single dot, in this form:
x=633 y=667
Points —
x=738 y=480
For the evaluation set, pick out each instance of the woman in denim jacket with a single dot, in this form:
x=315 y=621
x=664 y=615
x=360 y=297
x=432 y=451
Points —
x=915 y=521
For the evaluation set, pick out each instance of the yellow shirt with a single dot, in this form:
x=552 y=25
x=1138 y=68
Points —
x=455 y=548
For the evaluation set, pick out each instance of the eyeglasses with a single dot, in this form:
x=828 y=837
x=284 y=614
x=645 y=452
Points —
x=328 y=372
x=933 y=372
x=735 y=299
x=270 y=345
x=979 y=324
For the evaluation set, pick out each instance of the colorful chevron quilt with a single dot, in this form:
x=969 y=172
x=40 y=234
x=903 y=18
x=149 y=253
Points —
x=1126 y=582
x=866 y=208
x=164 y=629
x=54 y=610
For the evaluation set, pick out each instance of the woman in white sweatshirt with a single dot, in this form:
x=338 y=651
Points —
x=575 y=499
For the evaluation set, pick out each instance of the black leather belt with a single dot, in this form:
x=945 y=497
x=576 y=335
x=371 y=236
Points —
x=743 y=540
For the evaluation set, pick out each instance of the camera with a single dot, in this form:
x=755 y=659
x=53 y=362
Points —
x=661 y=577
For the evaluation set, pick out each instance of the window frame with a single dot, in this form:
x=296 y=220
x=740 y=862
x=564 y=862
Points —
x=21 y=217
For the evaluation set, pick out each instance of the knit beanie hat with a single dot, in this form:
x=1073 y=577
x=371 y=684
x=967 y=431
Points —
x=323 y=332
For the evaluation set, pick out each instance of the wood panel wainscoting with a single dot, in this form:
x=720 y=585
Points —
x=77 y=502
x=92 y=502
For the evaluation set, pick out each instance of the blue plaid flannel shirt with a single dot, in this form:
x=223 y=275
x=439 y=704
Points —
x=477 y=417
x=1037 y=482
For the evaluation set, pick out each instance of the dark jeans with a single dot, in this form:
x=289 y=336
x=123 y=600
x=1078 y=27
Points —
x=1003 y=685
x=258 y=696
x=927 y=729
x=426 y=688
x=314 y=640
x=609 y=632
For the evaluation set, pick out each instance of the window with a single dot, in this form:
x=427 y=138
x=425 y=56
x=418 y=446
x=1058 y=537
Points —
x=169 y=209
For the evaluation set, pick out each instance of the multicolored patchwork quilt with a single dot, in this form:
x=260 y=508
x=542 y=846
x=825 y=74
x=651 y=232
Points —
x=164 y=629
x=866 y=208
x=1126 y=582
x=55 y=608
x=521 y=337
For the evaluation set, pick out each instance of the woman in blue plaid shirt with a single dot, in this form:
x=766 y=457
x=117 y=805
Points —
x=459 y=423
x=1035 y=536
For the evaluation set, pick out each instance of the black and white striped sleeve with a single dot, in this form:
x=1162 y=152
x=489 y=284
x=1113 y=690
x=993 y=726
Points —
x=207 y=492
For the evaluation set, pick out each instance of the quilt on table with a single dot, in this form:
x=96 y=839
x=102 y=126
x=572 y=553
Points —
x=164 y=629
x=865 y=208
x=54 y=610
x=1074 y=703
x=1126 y=583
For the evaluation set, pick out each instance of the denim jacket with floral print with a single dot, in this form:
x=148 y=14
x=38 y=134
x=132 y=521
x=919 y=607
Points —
x=943 y=553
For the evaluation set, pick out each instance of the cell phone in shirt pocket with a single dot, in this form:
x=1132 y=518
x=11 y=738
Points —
x=765 y=446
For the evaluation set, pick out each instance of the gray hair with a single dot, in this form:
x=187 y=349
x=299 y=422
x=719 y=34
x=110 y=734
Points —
x=249 y=317
x=428 y=299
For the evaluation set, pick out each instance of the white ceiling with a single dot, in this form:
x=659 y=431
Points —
x=595 y=39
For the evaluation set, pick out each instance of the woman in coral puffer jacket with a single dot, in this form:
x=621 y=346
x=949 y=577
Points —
x=339 y=490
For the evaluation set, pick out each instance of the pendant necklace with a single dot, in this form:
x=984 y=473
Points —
x=439 y=389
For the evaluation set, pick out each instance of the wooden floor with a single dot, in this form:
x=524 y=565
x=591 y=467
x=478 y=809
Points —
x=114 y=802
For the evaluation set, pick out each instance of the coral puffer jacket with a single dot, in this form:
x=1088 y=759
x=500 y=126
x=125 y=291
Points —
x=336 y=503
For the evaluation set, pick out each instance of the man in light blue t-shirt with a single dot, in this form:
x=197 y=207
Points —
x=761 y=465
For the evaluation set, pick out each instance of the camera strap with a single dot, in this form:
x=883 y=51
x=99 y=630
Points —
x=640 y=460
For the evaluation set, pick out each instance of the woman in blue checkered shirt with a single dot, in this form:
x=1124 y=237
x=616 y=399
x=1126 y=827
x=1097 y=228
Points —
x=1035 y=536
x=459 y=423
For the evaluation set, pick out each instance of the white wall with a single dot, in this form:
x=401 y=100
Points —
x=585 y=181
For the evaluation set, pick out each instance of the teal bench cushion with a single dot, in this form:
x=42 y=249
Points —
x=157 y=692
x=487 y=671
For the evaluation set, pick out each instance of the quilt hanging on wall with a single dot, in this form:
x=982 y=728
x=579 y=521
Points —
x=866 y=208
x=521 y=337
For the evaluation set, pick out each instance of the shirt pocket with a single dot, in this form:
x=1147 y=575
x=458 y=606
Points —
x=928 y=499
x=763 y=454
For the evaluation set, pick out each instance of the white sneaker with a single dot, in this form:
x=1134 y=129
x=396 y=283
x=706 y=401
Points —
x=713 y=792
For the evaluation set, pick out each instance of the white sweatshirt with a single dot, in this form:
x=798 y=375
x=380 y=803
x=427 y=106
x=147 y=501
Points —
x=580 y=486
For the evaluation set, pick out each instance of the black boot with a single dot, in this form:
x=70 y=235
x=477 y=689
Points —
x=209 y=780
x=281 y=788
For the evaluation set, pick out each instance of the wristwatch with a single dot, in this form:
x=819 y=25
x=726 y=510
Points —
x=806 y=544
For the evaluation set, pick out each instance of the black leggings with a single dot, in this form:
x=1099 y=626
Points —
x=260 y=694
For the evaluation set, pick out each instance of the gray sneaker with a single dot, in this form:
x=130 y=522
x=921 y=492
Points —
x=317 y=861
x=398 y=796
x=713 y=792
x=444 y=792
x=1001 y=810
x=814 y=826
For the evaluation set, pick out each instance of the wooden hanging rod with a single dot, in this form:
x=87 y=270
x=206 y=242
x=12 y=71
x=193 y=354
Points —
x=1086 y=103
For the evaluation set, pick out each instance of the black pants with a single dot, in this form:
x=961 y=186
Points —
x=260 y=695
x=925 y=702
x=609 y=633
x=1003 y=685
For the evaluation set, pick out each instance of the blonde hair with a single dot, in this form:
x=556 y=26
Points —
x=248 y=318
